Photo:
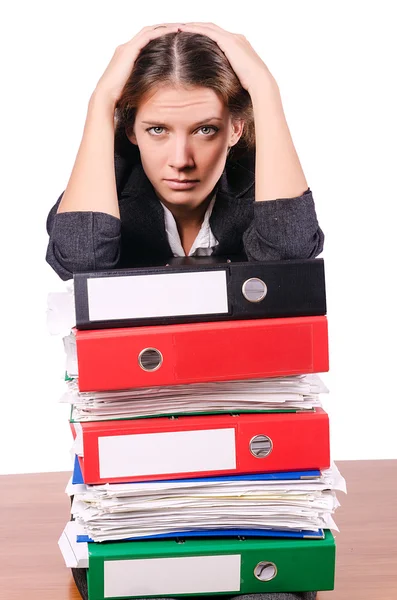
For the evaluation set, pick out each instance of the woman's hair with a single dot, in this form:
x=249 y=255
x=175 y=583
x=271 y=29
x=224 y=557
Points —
x=183 y=59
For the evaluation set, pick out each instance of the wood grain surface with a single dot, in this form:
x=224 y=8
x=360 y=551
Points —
x=34 y=510
x=366 y=546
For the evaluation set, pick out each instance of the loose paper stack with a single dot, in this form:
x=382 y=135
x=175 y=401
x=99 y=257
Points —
x=276 y=502
x=298 y=392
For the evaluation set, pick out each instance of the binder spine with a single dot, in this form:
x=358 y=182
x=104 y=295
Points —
x=241 y=290
x=216 y=445
x=186 y=567
x=201 y=352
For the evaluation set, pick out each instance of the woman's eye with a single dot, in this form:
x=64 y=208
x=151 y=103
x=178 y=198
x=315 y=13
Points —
x=214 y=129
x=150 y=128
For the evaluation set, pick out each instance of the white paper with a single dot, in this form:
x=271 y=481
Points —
x=61 y=316
x=75 y=553
x=78 y=443
x=69 y=344
x=118 y=511
x=296 y=392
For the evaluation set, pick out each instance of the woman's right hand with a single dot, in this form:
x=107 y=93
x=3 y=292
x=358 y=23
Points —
x=119 y=69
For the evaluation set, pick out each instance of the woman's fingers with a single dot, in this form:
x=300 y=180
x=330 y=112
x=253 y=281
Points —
x=161 y=26
x=122 y=63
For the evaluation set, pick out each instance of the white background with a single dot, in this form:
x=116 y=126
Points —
x=335 y=65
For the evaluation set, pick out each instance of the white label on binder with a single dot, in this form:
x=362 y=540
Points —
x=167 y=452
x=179 y=575
x=162 y=295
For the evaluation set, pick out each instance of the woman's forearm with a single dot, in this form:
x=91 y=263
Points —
x=278 y=172
x=92 y=184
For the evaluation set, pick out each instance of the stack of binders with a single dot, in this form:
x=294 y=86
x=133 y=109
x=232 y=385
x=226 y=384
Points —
x=202 y=449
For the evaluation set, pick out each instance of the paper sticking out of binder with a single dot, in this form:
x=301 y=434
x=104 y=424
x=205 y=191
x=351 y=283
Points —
x=207 y=292
x=297 y=501
x=277 y=394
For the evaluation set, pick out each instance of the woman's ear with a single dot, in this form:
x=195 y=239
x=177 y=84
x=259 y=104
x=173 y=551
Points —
x=237 y=131
x=129 y=131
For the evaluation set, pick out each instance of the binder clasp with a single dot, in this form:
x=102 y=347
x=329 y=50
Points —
x=150 y=359
x=265 y=571
x=254 y=289
x=261 y=446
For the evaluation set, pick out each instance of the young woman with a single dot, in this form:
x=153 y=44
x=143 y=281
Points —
x=185 y=151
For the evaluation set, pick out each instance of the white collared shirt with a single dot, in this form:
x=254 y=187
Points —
x=205 y=241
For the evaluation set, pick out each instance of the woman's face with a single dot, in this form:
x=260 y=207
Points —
x=184 y=134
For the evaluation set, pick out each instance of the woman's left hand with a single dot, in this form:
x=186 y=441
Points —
x=245 y=62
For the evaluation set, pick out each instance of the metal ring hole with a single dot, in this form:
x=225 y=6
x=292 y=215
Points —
x=261 y=446
x=150 y=359
x=265 y=571
x=254 y=289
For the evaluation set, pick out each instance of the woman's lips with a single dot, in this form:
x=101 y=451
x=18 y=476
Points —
x=180 y=185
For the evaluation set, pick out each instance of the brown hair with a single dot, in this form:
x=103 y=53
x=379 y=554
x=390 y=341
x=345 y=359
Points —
x=187 y=59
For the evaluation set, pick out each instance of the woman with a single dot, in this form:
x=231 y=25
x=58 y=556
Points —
x=183 y=103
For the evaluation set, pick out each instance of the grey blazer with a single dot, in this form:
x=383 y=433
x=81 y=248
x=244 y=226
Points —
x=269 y=230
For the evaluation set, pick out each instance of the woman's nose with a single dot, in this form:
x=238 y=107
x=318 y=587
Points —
x=180 y=155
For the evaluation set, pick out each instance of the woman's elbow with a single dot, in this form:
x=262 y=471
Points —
x=303 y=248
x=66 y=265
x=83 y=241
x=259 y=248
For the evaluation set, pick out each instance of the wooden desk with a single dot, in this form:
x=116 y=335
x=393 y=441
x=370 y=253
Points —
x=34 y=511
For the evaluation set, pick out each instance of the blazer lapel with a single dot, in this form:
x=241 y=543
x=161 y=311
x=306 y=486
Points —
x=234 y=206
x=144 y=238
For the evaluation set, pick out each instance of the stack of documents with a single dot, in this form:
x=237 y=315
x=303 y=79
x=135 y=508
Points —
x=201 y=445
x=299 y=392
x=289 y=502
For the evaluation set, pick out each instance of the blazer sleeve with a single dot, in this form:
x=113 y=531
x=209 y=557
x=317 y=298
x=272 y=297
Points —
x=87 y=241
x=284 y=229
x=82 y=241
